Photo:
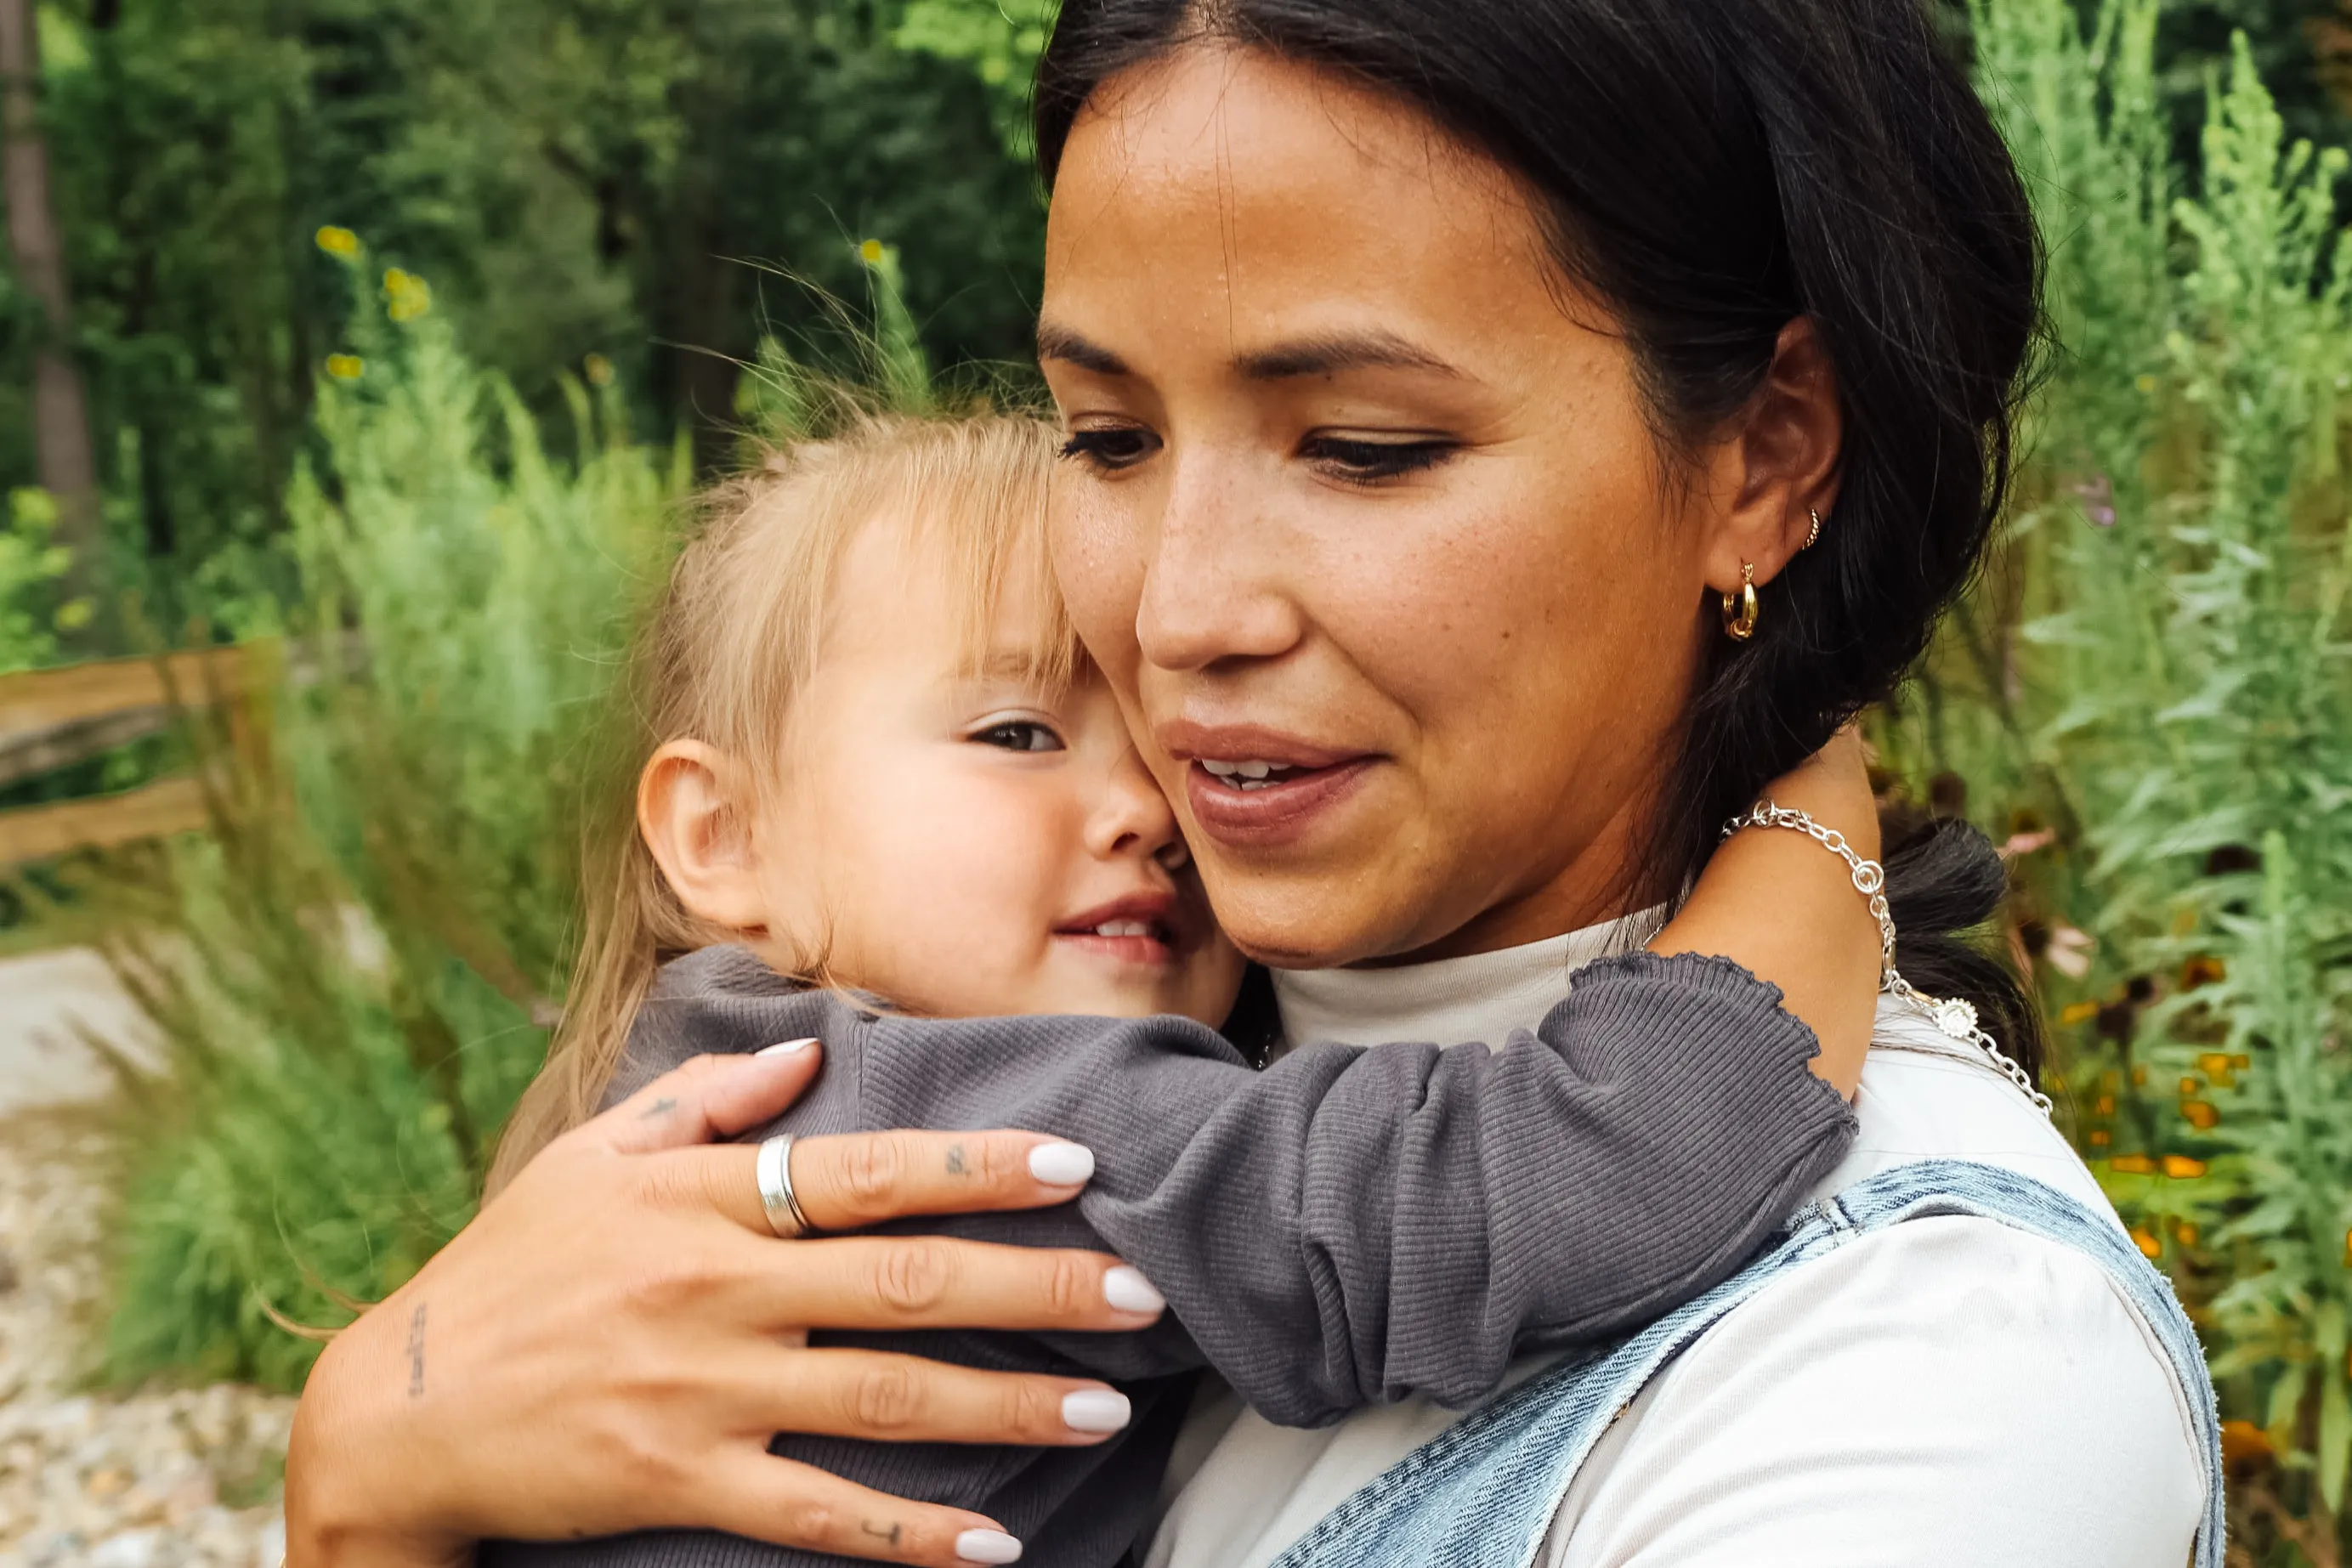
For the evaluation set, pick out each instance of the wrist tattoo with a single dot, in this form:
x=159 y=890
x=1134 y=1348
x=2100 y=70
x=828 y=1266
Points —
x=417 y=1352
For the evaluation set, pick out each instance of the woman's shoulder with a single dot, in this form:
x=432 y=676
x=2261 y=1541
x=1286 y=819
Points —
x=1925 y=1096
x=1973 y=1392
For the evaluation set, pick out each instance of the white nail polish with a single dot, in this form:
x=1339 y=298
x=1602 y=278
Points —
x=788 y=1048
x=1062 y=1164
x=1096 y=1410
x=987 y=1546
x=1129 y=1291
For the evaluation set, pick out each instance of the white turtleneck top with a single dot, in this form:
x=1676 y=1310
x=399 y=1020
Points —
x=1950 y=1392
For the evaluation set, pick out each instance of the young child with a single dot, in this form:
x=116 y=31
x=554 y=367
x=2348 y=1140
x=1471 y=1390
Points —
x=886 y=802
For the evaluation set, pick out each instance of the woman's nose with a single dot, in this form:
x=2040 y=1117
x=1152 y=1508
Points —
x=1212 y=589
x=1133 y=818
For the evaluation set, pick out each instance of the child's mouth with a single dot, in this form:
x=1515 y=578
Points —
x=1131 y=935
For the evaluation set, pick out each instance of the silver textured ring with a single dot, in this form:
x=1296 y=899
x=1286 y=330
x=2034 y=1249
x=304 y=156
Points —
x=785 y=1216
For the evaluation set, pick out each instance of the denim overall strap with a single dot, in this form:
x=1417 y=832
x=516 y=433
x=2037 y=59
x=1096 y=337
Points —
x=1483 y=1493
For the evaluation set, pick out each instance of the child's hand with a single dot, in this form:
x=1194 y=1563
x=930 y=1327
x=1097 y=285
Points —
x=1785 y=908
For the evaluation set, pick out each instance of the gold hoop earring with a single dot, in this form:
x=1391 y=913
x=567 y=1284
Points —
x=1816 y=532
x=1740 y=623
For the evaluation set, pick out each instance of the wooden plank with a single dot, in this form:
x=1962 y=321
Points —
x=40 y=699
x=27 y=752
x=151 y=811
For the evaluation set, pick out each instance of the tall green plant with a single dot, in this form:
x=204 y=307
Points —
x=2158 y=672
x=353 y=975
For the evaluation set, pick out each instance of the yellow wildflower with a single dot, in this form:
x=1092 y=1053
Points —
x=2200 y=1115
x=2079 y=1012
x=2148 y=1243
x=2146 y=383
x=407 y=295
x=2180 y=1167
x=870 y=252
x=337 y=241
x=345 y=367
x=598 y=368
x=2132 y=1165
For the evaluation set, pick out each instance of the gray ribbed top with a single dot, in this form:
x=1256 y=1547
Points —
x=1346 y=1227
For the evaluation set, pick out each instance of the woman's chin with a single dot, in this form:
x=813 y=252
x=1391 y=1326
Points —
x=1320 y=917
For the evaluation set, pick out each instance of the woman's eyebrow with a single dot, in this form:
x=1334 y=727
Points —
x=1324 y=355
x=1056 y=342
x=1321 y=355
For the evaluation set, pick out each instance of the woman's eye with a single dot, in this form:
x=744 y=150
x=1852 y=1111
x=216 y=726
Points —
x=1363 y=461
x=1020 y=734
x=1110 y=449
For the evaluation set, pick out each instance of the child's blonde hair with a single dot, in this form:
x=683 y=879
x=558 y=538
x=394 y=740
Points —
x=731 y=644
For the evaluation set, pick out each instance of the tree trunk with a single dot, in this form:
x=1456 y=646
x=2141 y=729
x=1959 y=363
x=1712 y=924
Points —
x=61 y=441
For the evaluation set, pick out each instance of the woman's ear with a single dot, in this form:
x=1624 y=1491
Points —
x=690 y=813
x=1778 y=467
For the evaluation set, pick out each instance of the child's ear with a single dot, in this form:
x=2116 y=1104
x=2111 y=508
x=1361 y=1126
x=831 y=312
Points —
x=689 y=816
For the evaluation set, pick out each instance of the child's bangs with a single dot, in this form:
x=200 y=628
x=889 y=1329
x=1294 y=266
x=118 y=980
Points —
x=975 y=500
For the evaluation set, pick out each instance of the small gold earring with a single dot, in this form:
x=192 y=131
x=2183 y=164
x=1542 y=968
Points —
x=1739 y=610
x=1816 y=532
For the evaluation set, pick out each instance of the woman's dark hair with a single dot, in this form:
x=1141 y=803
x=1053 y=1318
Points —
x=1712 y=170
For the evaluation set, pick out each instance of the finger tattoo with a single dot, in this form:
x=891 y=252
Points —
x=955 y=1159
x=879 y=1532
x=417 y=1352
x=659 y=1108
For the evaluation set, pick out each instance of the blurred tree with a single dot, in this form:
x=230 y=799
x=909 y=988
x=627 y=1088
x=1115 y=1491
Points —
x=60 y=405
x=631 y=190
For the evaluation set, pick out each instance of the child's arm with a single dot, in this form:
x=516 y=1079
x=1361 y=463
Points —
x=1785 y=908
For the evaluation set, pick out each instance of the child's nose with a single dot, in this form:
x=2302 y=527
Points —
x=1134 y=818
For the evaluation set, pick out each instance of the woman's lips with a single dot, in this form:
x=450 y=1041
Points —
x=1244 y=812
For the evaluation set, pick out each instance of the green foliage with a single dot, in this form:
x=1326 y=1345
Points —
x=581 y=178
x=2153 y=689
x=29 y=563
x=351 y=977
x=999 y=39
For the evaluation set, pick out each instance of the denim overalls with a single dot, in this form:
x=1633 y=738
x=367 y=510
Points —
x=1483 y=1493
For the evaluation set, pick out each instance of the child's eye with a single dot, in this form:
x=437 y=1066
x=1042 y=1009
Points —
x=1366 y=462
x=1020 y=734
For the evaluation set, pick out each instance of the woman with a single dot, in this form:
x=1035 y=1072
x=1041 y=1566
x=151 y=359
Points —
x=1440 y=379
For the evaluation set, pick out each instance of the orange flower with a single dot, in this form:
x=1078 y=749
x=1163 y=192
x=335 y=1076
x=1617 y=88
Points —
x=2214 y=1063
x=2180 y=1167
x=2104 y=1107
x=2190 y=1086
x=2132 y=1165
x=2185 y=1233
x=2078 y=1012
x=2148 y=1244
x=2200 y=1115
x=2098 y=1137
x=2244 y=1443
x=2201 y=971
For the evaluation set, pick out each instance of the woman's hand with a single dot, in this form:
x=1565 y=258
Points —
x=611 y=1343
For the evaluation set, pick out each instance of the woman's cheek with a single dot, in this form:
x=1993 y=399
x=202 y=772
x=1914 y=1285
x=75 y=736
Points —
x=1099 y=565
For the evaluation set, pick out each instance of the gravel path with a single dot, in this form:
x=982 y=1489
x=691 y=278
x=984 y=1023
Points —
x=178 y=1478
